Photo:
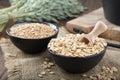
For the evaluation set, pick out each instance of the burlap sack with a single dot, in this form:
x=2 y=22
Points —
x=22 y=66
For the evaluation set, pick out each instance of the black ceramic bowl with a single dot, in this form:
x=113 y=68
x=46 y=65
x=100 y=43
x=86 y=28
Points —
x=31 y=45
x=77 y=64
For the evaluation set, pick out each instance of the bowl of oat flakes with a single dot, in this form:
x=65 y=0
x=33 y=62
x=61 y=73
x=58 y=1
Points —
x=32 y=37
x=75 y=56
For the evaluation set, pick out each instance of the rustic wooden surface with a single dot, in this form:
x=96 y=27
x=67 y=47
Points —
x=88 y=21
x=91 y=4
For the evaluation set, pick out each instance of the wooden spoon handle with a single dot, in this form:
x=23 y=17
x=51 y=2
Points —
x=99 y=28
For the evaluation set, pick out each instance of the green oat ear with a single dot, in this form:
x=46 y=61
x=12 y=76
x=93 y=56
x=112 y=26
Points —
x=2 y=27
x=41 y=10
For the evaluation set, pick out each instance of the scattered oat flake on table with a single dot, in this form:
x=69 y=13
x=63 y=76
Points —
x=47 y=59
x=51 y=72
x=114 y=69
x=105 y=74
x=84 y=75
x=48 y=70
x=43 y=72
x=40 y=75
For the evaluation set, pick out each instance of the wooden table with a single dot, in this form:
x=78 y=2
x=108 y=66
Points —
x=91 y=4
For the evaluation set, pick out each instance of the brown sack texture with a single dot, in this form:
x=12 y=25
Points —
x=22 y=66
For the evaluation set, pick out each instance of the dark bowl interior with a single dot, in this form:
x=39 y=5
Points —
x=31 y=45
x=77 y=64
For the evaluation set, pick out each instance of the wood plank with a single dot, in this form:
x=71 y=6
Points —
x=87 y=22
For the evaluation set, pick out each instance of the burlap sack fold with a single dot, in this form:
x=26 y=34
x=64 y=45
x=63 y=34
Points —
x=22 y=66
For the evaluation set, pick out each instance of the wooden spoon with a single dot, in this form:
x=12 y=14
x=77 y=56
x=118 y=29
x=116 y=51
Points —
x=99 y=28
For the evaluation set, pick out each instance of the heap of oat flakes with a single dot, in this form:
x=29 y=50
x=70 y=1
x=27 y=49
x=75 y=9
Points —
x=70 y=45
x=32 y=30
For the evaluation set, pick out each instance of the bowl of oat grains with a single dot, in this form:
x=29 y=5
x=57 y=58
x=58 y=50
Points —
x=32 y=37
x=75 y=56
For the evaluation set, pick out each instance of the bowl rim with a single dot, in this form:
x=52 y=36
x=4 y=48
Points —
x=47 y=23
x=90 y=56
